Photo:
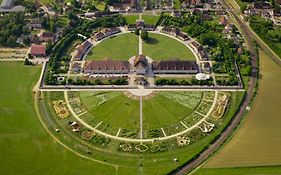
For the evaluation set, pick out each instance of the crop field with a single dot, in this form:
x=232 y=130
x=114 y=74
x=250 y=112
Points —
x=257 y=142
x=160 y=47
x=9 y=53
x=22 y=136
x=120 y=47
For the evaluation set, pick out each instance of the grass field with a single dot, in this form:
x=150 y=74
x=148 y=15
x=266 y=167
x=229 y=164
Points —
x=257 y=142
x=160 y=47
x=168 y=108
x=113 y=108
x=25 y=147
x=150 y=19
x=131 y=19
x=272 y=170
x=121 y=47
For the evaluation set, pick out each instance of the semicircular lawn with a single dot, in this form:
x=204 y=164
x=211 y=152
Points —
x=120 y=47
x=120 y=111
x=161 y=47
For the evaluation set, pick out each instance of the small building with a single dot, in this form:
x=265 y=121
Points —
x=81 y=50
x=196 y=46
x=223 y=21
x=106 y=32
x=38 y=50
x=107 y=67
x=140 y=64
x=35 y=24
x=175 y=67
x=47 y=36
x=176 y=14
x=76 y=67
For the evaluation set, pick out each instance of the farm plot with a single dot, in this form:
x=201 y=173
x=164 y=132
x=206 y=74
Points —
x=6 y=53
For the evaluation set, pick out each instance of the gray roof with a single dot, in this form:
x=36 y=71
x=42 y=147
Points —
x=7 y=3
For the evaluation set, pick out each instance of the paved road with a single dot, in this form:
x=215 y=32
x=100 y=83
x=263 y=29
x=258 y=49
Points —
x=189 y=166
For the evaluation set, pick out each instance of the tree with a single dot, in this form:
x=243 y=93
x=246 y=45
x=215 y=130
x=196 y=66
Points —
x=137 y=32
x=144 y=35
x=27 y=62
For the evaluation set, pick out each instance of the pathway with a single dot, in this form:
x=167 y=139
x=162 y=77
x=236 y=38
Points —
x=141 y=117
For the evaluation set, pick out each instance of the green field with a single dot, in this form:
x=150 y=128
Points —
x=120 y=47
x=131 y=19
x=160 y=47
x=168 y=108
x=257 y=142
x=150 y=19
x=113 y=108
x=272 y=170
x=26 y=148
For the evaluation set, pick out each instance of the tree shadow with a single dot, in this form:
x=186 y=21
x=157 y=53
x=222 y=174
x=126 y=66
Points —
x=152 y=41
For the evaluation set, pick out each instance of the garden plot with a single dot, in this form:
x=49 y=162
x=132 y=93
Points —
x=89 y=119
x=107 y=128
x=188 y=99
x=192 y=119
x=209 y=96
x=6 y=53
x=220 y=106
x=173 y=129
x=204 y=107
x=153 y=133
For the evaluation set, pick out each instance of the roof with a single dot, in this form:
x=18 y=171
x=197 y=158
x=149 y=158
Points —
x=140 y=60
x=175 y=65
x=107 y=65
x=48 y=35
x=38 y=50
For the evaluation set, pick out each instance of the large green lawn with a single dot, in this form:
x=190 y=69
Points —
x=168 y=108
x=25 y=147
x=121 y=47
x=150 y=19
x=131 y=19
x=112 y=107
x=160 y=47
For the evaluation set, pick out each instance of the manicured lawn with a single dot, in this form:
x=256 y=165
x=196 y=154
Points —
x=25 y=147
x=257 y=142
x=167 y=108
x=121 y=47
x=113 y=108
x=131 y=19
x=150 y=19
x=160 y=47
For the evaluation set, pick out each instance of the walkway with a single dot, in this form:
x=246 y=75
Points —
x=141 y=117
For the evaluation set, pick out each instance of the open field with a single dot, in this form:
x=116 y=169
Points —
x=131 y=19
x=25 y=147
x=271 y=170
x=168 y=108
x=150 y=19
x=160 y=47
x=257 y=142
x=121 y=47
x=113 y=108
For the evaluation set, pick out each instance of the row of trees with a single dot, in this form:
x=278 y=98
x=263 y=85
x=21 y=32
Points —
x=183 y=82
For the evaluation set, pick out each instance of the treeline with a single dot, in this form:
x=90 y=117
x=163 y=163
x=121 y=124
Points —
x=183 y=82
x=268 y=32
x=12 y=26
x=113 y=81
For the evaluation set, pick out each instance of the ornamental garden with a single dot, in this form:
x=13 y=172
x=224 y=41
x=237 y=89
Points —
x=143 y=93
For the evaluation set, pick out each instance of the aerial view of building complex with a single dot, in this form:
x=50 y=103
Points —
x=140 y=87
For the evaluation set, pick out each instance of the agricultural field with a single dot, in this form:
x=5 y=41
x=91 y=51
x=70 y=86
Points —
x=257 y=142
x=127 y=47
x=160 y=47
x=8 y=53
x=20 y=126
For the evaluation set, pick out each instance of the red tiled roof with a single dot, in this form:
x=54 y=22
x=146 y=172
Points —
x=175 y=65
x=38 y=50
x=107 y=65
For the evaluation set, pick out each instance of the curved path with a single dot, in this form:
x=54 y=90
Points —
x=190 y=165
x=138 y=140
